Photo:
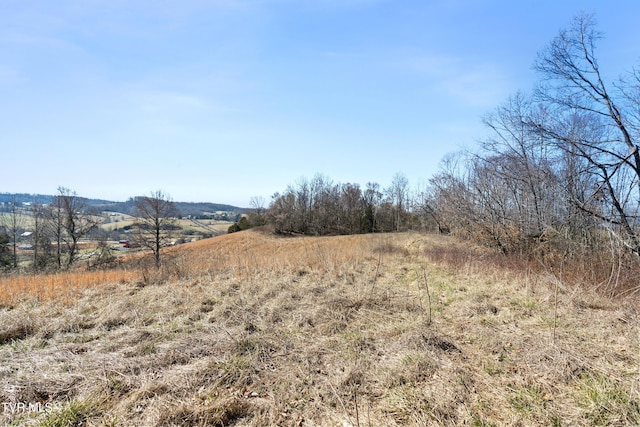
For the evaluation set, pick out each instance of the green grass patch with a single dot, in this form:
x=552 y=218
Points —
x=606 y=402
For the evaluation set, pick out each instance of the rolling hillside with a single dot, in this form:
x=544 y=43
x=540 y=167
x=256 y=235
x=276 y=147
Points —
x=250 y=329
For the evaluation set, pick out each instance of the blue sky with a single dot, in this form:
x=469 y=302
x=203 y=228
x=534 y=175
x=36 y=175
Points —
x=222 y=100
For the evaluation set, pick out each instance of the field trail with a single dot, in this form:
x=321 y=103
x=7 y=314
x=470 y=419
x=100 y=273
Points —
x=250 y=329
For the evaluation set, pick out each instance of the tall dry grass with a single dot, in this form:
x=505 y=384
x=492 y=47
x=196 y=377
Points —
x=64 y=286
x=248 y=255
x=242 y=256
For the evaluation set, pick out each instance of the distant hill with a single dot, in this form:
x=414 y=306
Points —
x=200 y=209
x=25 y=198
x=196 y=209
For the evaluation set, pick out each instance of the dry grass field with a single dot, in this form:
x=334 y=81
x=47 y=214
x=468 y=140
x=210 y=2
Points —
x=204 y=226
x=250 y=329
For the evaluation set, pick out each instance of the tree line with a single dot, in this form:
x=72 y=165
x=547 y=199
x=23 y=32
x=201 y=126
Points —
x=320 y=206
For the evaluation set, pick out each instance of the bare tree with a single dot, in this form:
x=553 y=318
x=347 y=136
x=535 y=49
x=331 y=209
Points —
x=589 y=122
x=322 y=215
x=72 y=219
x=451 y=201
x=13 y=222
x=40 y=238
x=398 y=193
x=424 y=206
x=352 y=207
x=55 y=219
x=258 y=206
x=156 y=215
x=523 y=160
x=5 y=255
x=371 y=198
x=282 y=212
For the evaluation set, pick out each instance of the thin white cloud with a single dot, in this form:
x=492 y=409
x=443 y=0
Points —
x=91 y=18
x=148 y=111
x=155 y=102
x=475 y=82
x=24 y=40
x=482 y=85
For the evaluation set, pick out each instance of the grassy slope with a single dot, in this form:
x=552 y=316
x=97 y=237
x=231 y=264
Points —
x=250 y=329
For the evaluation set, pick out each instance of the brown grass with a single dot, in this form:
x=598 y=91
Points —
x=64 y=286
x=252 y=330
